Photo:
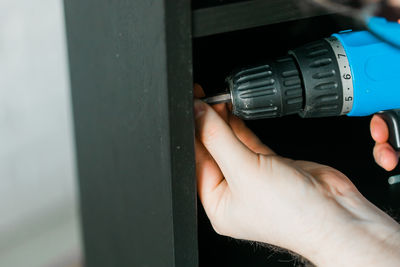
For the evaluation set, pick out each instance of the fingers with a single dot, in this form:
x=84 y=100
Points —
x=209 y=176
x=385 y=156
x=379 y=129
x=231 y=155
x=247 y=137
x=198 y=91
x=210 y=180
x=221 y=109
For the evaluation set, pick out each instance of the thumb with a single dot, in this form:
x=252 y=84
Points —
x=231 y=155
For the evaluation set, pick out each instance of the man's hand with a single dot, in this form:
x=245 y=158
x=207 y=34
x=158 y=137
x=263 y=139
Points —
x=385 y=156
x=251 y=193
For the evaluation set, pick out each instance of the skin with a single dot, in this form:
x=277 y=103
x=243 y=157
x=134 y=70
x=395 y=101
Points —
x=385 y=156
x=395 y=3
x=251 y=193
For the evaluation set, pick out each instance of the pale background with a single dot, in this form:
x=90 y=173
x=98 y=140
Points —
x=38 y=211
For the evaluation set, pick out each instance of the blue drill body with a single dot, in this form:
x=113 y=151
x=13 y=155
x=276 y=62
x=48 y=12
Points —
x=353 y=73
x=375 y=68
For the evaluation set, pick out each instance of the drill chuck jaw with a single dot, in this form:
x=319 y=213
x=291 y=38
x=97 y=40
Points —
x=266 y=91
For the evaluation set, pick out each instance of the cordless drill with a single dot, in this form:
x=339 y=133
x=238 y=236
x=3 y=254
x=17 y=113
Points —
x=349 y=73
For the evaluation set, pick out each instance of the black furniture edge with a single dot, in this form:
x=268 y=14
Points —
x=250 y=14
x=131 y=82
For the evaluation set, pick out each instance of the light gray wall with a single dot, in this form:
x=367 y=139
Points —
x=38 y=215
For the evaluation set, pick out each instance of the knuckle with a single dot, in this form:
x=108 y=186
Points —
x=268 y=162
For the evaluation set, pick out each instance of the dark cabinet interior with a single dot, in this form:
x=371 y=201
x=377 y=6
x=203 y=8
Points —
x=341 y=142
x=197 y=4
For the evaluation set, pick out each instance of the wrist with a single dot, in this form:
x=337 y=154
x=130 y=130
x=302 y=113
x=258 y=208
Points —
x=359 y=243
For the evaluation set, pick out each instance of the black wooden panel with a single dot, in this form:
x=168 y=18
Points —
x=131 y=88
x=249 y=14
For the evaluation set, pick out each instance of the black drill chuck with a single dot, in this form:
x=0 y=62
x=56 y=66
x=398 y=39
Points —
x=273 y=89
x=306 y=82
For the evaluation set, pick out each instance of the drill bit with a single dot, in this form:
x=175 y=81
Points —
x=217 y=99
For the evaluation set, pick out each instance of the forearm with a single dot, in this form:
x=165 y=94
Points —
x=359 y=244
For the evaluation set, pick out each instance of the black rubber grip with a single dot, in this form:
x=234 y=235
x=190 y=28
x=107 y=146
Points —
x=392 y=119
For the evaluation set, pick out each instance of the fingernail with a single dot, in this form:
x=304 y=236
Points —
x=199 y=108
